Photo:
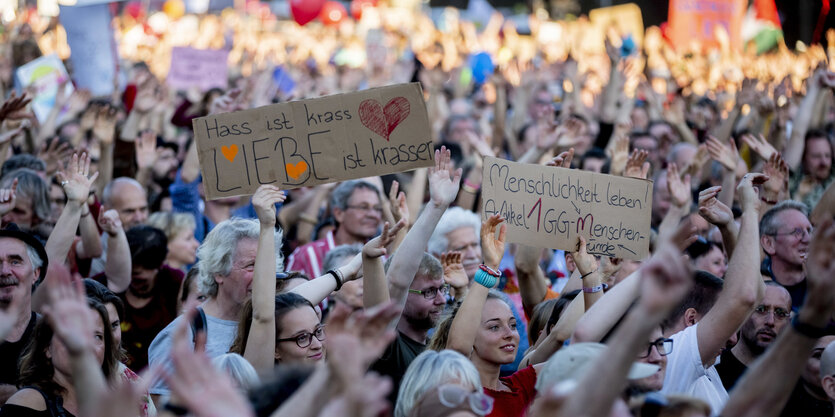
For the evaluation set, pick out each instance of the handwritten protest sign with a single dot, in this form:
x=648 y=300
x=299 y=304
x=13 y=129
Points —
x=203 y=68
x=44 y=76
x=551 y=207
x=308 y=142
x=698 y=20
x=92 y=45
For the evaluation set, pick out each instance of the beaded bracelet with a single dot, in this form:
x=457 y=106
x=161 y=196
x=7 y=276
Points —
x=486 y=279
x=490 y=271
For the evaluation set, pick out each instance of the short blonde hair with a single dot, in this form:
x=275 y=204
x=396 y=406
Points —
x=172 y=223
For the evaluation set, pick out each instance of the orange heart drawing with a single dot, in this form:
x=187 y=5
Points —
x=229 y=152
x=296 y=170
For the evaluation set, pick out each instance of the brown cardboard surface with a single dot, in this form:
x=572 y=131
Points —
x=551 y=207
x=315 y=141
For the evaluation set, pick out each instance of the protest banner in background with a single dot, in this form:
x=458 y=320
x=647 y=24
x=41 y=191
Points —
x=202 y=68
x=308 y=142
x=626 y=18
x=551 y=207
x=92 y=45
x=43 y=75
x=698 y=20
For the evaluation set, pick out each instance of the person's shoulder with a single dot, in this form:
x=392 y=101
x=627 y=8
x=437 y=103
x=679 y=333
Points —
x=28 y=398
x=161 y=340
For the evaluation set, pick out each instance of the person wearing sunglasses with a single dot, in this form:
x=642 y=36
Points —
x=430 y=370
x=767 y=322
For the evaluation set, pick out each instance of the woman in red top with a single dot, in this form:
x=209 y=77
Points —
x=484 y=329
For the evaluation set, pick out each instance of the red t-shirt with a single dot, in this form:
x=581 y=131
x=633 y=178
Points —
x=514 y=403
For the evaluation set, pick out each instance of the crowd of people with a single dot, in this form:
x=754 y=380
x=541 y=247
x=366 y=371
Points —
x=125 y=292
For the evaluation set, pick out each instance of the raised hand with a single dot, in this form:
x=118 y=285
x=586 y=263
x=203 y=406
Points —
x=7 y=198
x=264 y=201
x=637 y=165
x=146 y=150
x=110 y=222
x=679 y=188
x=727 y=155
x=665 y=280
x=820 y=264
x=479 y=144
x=620 y=155
x=55 y=154
x=585 y=261
x=12 y=133
x=444 y=179
x=14 y=107
x=713 y=210
x=376 y=247
x=749 y=198
x=70 y=317
x=104 y=128
x=759 y=145
x=198 y=386
x=454 y=274
x=397 y=202
x=358 y=339
x=226 y=103
x=563 y=160
x=75 y=180
x=694 y=168
x=492 y=247
x=778 y=176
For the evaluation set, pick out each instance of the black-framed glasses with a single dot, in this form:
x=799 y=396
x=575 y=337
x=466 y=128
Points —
x=798 y=233
x=664 y=346
x=432 y=292
x=303 y=339
x=367 y=209
x=779 y=313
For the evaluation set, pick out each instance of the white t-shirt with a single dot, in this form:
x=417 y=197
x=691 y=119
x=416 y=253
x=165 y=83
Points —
x=687 y=375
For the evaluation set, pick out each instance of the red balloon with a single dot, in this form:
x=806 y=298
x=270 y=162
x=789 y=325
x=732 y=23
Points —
x=358 y=5
x=305 y=10
x=333 y=13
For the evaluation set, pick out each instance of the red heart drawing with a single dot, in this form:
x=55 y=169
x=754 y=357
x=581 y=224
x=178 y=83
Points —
x=383 y=121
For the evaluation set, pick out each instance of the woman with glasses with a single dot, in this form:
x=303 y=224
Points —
x=430 y=370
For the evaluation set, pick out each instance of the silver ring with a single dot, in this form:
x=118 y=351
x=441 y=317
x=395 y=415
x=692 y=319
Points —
x=63 y=183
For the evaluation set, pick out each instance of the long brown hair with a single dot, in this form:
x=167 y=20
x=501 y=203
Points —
x=36 y=368
x=284 y=303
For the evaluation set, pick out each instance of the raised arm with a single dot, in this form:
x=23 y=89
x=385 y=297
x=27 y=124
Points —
x=443 y=187
x=76 y=183
x=531 y=278
x=319 y=288
x=743 y=284
x=465 y=325
x=260 y=344
x=375 y=288
x=728 y=157
x=590 y=274
x=118 y=266
x=757 y=394
x=720 y=215
x=681 y=198
x=667 y=281
x=802 y=120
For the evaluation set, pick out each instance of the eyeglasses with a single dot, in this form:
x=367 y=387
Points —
x=779 y=313
x=452 y=396
x=664 y=346
x=798 y=233
x=303 y=340
x=432 y=292
x=367 y=209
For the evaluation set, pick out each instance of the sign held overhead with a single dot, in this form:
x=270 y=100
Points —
x=551 y=207
x=315 y=141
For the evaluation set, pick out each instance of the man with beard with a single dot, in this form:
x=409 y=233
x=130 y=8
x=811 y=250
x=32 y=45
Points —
x=785 y=234
x=358 y=213
x=151 y=298
x=414 y=280
x=810 y=179
x=23 y=261
x=757 y=333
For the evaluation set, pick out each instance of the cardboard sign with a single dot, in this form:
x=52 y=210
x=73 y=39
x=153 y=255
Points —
x=92 y=45
x=625 y=17
x=698 y=20
x=308 y=142
x=551 y=207
x=44 y=75
x=203 y=68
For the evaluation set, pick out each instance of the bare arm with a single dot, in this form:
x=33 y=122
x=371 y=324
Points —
x=803 y=118
x=90 y=245
x=602 y=317
x=321 y=287
x=743 y=283
x=260 y=343
x=375 y=287
x=531 y=278
x=757 y=394
x=191 y=164
x=307 y=400
x=76 y=184
x=118 y=266
x=717 y=213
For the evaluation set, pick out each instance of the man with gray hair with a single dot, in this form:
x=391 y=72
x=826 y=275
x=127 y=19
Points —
x=785 y=234
x=226 y=265
x=358 y=212
x=23 y=263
